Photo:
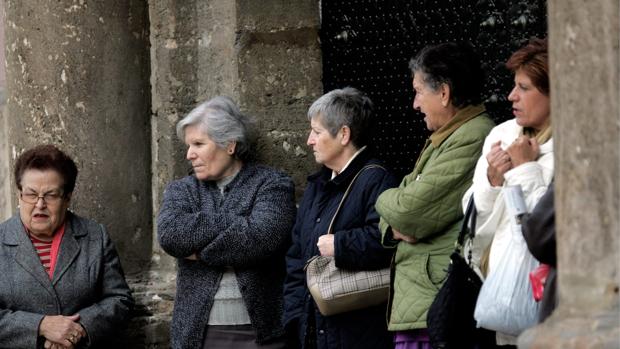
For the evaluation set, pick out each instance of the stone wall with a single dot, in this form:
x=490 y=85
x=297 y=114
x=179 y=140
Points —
x=5 y=181
x=78 y=77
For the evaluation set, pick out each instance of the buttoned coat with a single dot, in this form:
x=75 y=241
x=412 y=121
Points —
x=357 y=246
x=88 y=280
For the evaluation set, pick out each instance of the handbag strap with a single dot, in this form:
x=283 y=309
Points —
x=468 y=227
x=346 y=193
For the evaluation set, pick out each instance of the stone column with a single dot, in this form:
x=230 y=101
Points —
x=266 y=56
x=78 y=77
x=5 y=174
x=585 y=90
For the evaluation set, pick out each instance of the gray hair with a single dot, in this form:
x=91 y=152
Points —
x=221 y=119
x=345 y=107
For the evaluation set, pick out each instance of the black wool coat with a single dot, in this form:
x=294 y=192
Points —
x=357 y=247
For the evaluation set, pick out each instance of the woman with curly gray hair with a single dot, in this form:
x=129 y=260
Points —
x=228 y=225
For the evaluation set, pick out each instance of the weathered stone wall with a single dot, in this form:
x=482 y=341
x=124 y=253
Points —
x=5 y=181
x=585 y=90
x=78 y=77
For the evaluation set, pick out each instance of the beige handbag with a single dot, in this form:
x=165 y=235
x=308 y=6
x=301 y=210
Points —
x=336 y=290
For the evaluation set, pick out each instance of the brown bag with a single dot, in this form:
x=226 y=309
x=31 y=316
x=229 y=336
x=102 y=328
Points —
x=336 y=290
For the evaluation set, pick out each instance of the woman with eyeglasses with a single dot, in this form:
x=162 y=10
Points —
x=61 y=282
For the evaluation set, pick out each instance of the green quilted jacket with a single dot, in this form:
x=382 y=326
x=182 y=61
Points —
x=427 y=206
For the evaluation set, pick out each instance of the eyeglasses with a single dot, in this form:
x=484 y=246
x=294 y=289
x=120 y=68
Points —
x=48 y=198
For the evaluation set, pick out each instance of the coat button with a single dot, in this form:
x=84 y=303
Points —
x=318 y=220
x=321 y=332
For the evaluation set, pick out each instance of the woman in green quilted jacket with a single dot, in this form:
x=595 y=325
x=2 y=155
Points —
x=421 y=218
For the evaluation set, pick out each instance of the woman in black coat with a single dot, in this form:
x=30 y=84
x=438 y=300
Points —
x=340 y=123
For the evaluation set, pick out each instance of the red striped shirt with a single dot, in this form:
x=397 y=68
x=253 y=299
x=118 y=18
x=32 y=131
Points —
x=44 y=250
x=48 y=251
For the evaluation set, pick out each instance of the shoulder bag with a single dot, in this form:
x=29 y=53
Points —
x=337 y=290
x=450 y=318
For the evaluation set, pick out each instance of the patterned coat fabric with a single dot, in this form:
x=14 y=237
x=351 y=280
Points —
x=357 y=247
x=247 y=228
x=426 y=206
x=88 y=280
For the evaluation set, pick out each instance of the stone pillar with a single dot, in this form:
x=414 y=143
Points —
x=78 y=77
x=265 y=55
x=585 y=90
x=5 y=174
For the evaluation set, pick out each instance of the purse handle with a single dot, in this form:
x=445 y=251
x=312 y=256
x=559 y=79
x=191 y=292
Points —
x=468 y=227
x=346 y=193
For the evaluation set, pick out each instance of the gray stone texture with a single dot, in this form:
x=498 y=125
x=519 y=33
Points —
x=585 y=89
x=78 y=77
x=5 y=180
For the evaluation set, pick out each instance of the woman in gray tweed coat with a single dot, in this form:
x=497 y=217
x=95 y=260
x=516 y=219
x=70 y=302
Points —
x=228 y=225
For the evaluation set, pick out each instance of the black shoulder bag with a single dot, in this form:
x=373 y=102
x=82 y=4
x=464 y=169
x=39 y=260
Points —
x=450 y=318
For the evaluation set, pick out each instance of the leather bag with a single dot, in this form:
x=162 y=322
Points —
x=450 y=318
x=337 y=290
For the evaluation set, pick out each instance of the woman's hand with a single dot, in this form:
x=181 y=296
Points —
x=52 y=345
x=326 y=245
x=61 y=331
x=522 y=150
x=499 y=163
x=192 y=257
x=399 y=236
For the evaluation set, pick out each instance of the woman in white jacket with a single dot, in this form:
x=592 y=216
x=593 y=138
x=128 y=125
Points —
x=516 y=152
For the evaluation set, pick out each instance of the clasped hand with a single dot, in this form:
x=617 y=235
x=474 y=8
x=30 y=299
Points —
x=61 y=331
x=400 y=236
x=522 y=150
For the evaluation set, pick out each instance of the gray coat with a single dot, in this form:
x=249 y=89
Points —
x=88 y=280
x=248 y=228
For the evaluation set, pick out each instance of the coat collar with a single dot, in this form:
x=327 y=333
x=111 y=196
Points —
x=26 y=256
x=461 y=117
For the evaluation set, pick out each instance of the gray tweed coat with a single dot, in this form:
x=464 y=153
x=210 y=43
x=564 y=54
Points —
x=248 y=228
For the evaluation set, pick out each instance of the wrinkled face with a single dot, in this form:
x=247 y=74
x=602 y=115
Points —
x=48 y=213
x=209 y=161
x=428 y=102
x=327 y=149
x=529 y=106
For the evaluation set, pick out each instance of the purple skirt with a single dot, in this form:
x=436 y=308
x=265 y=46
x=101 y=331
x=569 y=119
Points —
x=413 y=339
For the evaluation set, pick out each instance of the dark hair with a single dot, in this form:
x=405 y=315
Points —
x=47 y=157
x=345 y=107
x=454 y=64
x=533 y=59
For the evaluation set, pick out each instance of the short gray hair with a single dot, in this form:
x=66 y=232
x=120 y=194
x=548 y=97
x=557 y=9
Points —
x=345 y=107
x=221 y=119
